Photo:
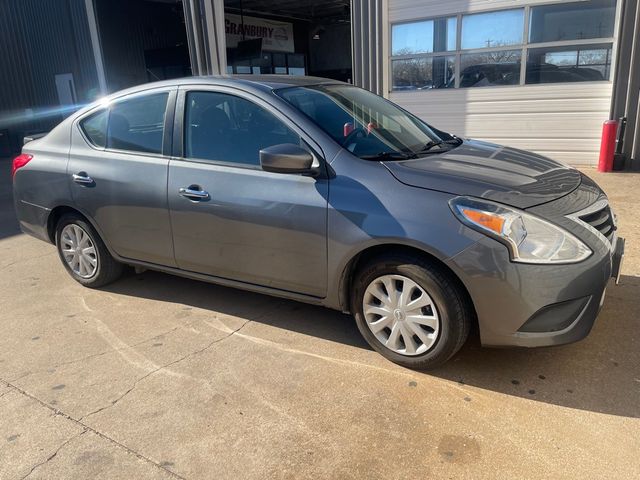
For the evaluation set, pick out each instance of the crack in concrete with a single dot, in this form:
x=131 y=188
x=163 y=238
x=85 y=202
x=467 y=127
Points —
x=21 y=376
x=104 y=436
x=53 y=455
x=106 y=352
x=93 y=430
x=115 y=350
x=174 y=362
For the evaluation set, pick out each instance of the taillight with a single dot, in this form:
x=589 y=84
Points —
x=19 y=162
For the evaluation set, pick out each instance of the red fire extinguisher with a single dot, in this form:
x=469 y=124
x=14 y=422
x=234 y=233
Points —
x=608 y=145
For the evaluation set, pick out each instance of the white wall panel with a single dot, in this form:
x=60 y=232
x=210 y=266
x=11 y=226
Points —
x=402 y=10
x=563 y=121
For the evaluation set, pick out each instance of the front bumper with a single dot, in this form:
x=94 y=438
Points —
x=617 y=259
x=522 y=305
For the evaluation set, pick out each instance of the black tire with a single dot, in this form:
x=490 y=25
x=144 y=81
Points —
x=107 y=270
x=451 y=301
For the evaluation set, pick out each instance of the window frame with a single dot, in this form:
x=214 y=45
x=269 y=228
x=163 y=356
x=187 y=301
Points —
x=524 y=47
x=179 y=125
x=449 y=53
x=167 y=128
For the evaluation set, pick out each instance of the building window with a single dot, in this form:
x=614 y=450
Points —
x=493 y=29
x=270 y=63
x=420 y=50
x=584 y=63
x=438 y=35
x=572 y=21
x=558 y=43
x=423 y=73
x=485 y=69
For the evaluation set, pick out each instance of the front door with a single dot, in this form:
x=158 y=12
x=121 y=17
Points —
x=118 y=175
x=230 y=218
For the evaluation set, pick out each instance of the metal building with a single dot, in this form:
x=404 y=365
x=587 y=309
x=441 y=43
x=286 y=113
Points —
x=541 y=75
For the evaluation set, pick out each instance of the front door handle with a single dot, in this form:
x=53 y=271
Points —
x=192 y=193
x=82 y=178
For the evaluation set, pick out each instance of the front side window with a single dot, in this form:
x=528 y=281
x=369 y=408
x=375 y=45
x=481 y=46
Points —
x=365 y=124
x=229 y=129
x=137 y=124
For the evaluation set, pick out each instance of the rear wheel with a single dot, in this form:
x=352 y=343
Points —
x=412 y=312
x=84 y=254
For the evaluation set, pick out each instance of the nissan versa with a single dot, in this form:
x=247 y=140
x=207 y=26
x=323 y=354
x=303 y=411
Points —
x=325 y=193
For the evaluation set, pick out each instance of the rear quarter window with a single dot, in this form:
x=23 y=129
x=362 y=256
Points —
x=95 y=128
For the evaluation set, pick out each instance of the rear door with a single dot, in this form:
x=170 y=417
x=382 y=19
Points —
x=245 y=224
x=118 y=173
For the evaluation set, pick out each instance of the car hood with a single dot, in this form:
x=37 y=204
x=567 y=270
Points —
x=502 y=174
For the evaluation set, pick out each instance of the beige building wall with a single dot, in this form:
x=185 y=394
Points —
x=562 y=121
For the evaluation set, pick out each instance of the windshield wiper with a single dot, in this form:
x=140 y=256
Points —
x=389 y=156
x=432 y=144
x=455 y=141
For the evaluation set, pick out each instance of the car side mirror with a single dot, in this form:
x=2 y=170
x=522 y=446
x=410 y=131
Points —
x=286 y=158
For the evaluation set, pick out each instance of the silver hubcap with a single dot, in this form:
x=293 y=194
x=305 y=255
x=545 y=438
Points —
x=401 y=314
x=78 y=251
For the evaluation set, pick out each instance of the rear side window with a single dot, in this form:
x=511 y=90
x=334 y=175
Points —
x=95 y=128
x=137 y=124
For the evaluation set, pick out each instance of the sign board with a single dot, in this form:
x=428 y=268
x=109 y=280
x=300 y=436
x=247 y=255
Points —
x=276 y=36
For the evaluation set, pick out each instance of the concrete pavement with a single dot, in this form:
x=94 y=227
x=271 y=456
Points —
x=161 y=377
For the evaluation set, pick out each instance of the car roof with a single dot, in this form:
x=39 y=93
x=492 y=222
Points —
x=261 y=82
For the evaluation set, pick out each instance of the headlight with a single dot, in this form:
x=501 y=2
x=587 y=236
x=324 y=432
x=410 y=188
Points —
x=529 y=238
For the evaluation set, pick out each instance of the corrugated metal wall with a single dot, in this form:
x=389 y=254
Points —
x=206 y=37
x=562 y=121
x=367 y=18
x=128 y=28
x=626 y=102
x=38 y=40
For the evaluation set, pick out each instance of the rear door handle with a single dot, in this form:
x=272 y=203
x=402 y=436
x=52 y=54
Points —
x=193 y=194
x=82 y=178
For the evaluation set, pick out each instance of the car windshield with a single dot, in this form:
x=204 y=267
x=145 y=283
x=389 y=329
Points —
x=366 y=124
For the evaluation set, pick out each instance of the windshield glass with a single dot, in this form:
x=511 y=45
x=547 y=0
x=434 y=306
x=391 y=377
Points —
x=365 y=124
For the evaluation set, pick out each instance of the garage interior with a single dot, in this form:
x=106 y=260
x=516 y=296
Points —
x=142 y=41
x=146 y=40
x=321 y=43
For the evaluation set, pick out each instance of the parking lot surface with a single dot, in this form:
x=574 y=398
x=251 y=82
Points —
x=157 y=376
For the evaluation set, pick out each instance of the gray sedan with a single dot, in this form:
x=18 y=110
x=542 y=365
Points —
x=322 y=192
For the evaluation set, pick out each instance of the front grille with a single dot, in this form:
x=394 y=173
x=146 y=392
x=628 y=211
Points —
x=602 y=220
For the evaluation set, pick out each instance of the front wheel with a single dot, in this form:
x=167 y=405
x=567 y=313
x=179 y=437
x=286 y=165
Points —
x=412 y=312
x=84 y=254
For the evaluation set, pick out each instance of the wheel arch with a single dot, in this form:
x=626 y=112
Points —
x=58 y=212
x=369 y=253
